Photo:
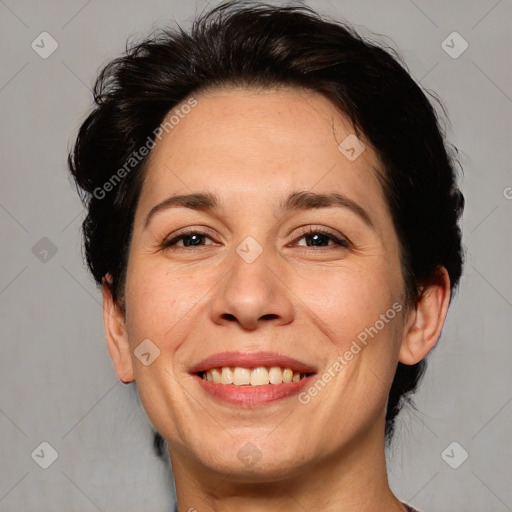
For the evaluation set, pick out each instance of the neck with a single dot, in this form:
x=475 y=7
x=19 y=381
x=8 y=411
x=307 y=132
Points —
x=349 y=480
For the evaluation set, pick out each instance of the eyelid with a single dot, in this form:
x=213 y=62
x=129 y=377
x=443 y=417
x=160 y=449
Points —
x=339 y=239
x=190 y=230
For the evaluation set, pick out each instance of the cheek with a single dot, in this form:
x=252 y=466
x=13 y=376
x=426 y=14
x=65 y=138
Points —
x=158 y=301
x=349 y=300
x=150 y=302
x=360 y=311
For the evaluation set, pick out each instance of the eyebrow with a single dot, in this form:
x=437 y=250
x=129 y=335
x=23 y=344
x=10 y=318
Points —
x=302 y=200
x=310 y=200
x=197 y=201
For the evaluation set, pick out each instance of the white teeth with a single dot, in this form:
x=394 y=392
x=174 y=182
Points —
x=287 y=375
x=259 y=376
x=275 y=375
x=227 y=376
x=241 y=376
x=217 y=378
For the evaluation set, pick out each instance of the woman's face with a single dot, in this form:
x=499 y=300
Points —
x=296 y=266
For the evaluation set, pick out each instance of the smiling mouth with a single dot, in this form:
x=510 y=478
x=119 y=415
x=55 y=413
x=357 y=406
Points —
x=259 y=376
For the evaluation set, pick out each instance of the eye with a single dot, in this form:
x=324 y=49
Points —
x=316 y=237
x=187 y=239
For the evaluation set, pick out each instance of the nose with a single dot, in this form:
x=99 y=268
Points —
x=253 y=294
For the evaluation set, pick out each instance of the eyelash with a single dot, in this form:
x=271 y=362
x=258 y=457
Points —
x=340 y=242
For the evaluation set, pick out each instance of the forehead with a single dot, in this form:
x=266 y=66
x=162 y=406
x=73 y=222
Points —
x=255 y=144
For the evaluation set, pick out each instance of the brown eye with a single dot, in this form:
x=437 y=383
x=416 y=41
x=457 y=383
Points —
x=187 y=239
x=322 y=238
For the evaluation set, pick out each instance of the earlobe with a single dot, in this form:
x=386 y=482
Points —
x=116 y=334
x=426 y=320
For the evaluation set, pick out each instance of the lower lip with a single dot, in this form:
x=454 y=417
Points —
x=253 y=395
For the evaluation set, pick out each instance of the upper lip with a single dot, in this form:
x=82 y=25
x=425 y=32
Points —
x=250 y=360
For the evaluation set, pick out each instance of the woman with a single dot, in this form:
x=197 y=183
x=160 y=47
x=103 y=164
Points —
x=273 y=219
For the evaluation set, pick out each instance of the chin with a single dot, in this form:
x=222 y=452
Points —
x=250 y=458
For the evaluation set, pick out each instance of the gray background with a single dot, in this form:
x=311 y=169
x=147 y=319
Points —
x=57 y=381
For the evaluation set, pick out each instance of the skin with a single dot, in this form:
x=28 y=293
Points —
x=252 y=148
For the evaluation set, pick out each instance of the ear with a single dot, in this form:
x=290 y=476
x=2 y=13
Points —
x=426 y=321
x=115 y=330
